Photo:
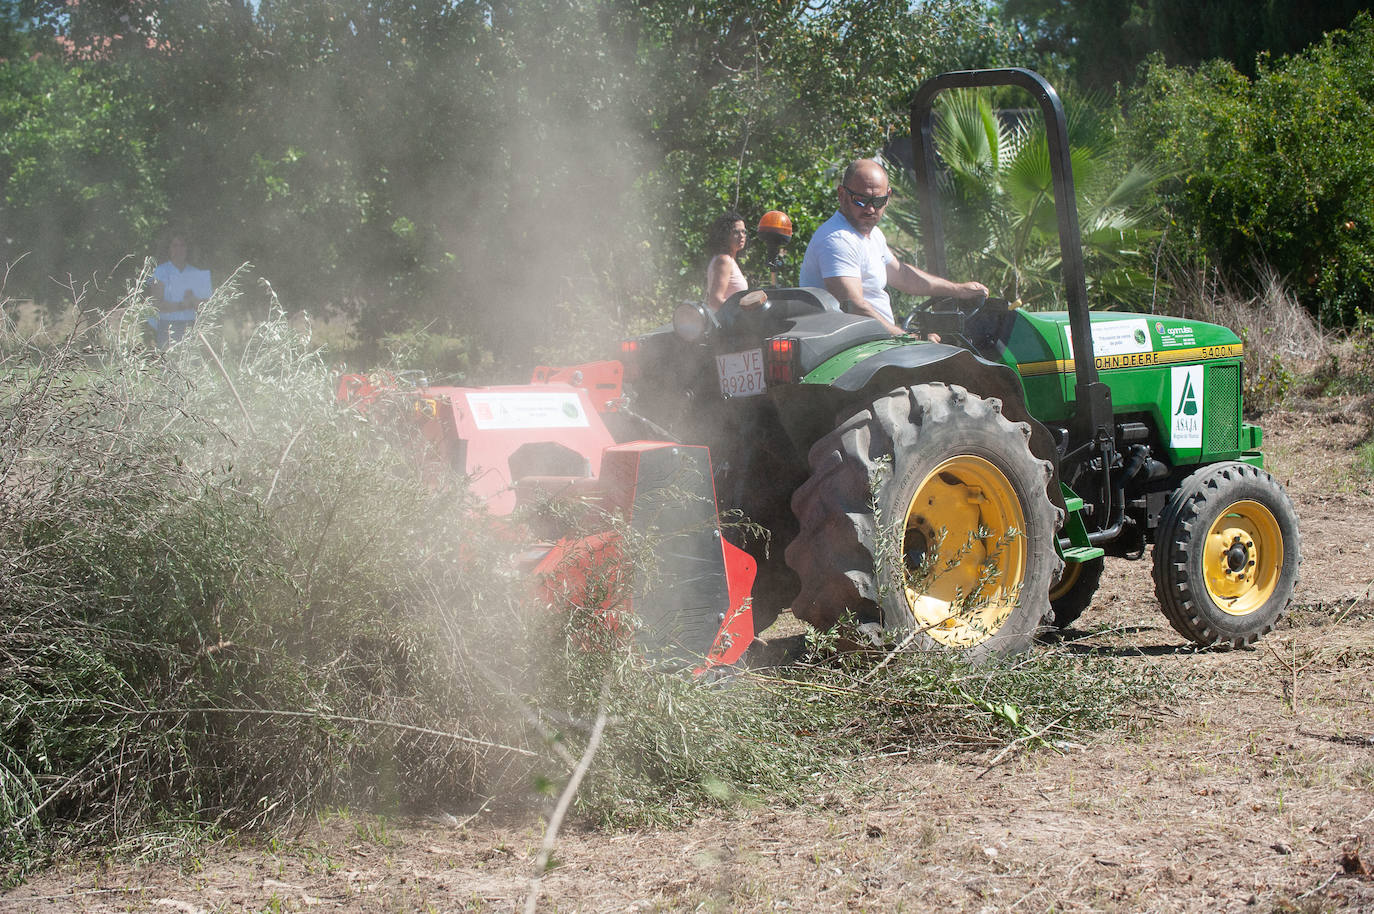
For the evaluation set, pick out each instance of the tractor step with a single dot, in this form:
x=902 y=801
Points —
x=1083 y=553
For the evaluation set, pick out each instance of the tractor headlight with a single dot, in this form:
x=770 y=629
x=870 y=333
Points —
x=692 y=321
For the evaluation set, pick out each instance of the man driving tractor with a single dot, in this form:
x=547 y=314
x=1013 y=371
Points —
x=848 y=256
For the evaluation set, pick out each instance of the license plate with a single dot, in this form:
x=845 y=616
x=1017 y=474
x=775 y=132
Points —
x=741 y=373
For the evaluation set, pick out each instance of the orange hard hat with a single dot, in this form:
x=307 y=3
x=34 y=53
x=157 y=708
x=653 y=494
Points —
x=776 y=223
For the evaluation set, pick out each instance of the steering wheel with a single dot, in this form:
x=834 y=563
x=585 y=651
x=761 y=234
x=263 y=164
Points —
x=966 y=305
x=946 y=304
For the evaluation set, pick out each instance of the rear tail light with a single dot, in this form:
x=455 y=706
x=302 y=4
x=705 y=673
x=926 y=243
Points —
x=629 y=355
x=781 y=360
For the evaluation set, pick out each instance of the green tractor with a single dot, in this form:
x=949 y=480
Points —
x=964 y=492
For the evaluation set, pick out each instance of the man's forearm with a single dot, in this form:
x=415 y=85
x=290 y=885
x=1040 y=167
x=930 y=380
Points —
x=850 y=289
x=862 y=307
x=913 y=281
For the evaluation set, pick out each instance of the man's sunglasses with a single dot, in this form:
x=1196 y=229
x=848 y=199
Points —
x=863 y=202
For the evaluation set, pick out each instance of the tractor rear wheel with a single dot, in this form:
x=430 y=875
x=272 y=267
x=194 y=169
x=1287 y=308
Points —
x=1227 y=554
x=926 y=511
x=1073 y=592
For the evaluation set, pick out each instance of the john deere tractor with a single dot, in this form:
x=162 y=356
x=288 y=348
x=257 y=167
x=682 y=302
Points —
x=965 y=491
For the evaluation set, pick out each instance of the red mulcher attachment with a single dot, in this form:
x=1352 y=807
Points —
x=694 y=601
x=525 y=444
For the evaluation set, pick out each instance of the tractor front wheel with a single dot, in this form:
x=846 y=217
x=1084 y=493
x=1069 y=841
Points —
x=1227 y=554
x=927 y=512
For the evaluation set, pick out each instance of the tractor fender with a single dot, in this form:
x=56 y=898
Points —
x=903 y=366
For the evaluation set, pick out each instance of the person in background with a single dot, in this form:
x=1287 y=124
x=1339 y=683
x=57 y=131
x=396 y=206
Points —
x=725 y=239
x=849 y=257
x=178 y=289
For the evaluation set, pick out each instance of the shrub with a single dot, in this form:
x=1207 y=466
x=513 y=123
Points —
x=446 y=359
x=1282 y=340
x=1359 y=345
x=1277 y=171
x=229 y=599
x=1002 y=222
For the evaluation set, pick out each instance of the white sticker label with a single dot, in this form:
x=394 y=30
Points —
x=1185 y=401
x=1174 y=337
x=1115 y=337
x=541 y=409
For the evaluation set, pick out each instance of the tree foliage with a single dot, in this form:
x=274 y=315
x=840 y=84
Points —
x=77 y=165
x=1002 y=223
x=470 y=166
x=1104 y=41
x=1279 y=170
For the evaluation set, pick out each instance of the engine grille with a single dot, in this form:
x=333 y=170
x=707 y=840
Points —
x=1223 y=411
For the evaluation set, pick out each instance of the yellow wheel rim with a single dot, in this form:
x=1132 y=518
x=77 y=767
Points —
x=1067 y=578
x=1242 y=558
x=964 y=551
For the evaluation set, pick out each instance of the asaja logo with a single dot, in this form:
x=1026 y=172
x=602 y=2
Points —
x=1187 y=401
x=1140 y=336
x=1187 y=396
x=570 y=410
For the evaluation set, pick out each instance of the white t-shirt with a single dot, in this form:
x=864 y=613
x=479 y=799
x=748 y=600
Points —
x=838 y=250
x=176 y=283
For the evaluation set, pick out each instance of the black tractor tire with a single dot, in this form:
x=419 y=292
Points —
x=975 y=575
x=1226 y=556
x=1073 y=592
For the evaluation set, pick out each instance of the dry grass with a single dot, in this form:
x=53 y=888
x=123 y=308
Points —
x=1283 y=342
x=227 y=600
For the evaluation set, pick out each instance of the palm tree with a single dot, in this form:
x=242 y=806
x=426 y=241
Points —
x=999 y=202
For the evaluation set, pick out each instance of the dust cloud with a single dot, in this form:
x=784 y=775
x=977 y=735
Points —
x=477 y=171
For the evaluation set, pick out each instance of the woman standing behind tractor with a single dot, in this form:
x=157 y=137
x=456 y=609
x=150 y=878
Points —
x=725 y=239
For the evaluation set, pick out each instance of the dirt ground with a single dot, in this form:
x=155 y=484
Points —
x=1253 y=792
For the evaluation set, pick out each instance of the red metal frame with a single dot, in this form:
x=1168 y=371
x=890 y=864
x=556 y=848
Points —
x=477 y=430
x=604 y=381
x=494 y=422
x=737 y=631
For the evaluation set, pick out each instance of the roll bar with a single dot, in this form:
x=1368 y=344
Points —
x=1093 y=398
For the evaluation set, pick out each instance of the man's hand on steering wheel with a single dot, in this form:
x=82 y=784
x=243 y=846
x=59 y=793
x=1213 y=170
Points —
x=971 y=289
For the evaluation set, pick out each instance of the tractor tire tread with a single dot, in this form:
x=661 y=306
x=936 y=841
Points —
x=1178 y=597
x=833 y=554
